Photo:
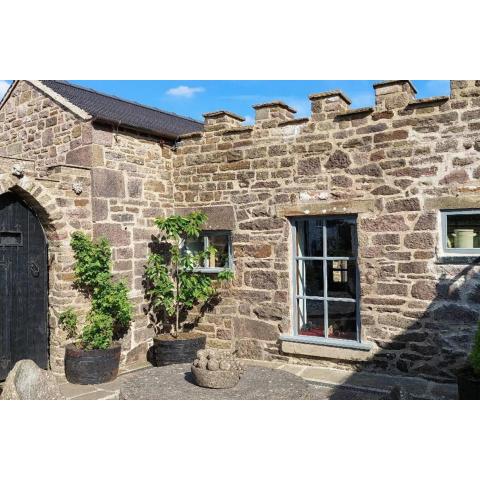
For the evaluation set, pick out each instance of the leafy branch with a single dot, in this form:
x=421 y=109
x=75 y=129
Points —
x=174 y=282
x=111 y=310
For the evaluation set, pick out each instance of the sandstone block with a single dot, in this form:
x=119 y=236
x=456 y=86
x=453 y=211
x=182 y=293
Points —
x=113 y=232
x=420 y=240
x=342 y=181
x=85 y=156
x=108 y=183
x=455 y=314
x=403 y=205
x=390 y=136
x=99 y=209
x=384 y=223
x=424 y=290
x=247 y=348
x=309 y=166
x=338 y=159
x=135 y=187
x=386 y=239
x=399 y=289
x=384 y=190
x=264 y=279
x=426 y=221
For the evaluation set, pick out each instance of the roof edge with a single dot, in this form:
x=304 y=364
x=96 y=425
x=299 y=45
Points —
x=10 y=90
x=131 y=102
x=62 y=100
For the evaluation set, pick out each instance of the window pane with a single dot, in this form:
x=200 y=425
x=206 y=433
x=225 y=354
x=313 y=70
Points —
x=342 y=320
x=220 y=259
x=310 y=278
x=463 y=231
x=309 y=238
x=194 y=246
x=310 y=317
x=342 y=278
x=340 y=237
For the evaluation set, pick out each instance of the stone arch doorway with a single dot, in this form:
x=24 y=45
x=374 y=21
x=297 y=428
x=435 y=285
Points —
x=23 y=285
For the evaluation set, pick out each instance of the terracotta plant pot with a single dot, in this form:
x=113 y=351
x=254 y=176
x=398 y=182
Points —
x=90 y=367
x=168 y=350
x=468 y=385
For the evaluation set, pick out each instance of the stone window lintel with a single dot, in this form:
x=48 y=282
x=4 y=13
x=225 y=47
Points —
x=326 y=208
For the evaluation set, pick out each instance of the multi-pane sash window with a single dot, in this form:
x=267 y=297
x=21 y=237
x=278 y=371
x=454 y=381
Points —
x=326 y=289
x=221 y=240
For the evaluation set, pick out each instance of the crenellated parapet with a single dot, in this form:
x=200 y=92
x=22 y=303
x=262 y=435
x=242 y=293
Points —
x=331 y=110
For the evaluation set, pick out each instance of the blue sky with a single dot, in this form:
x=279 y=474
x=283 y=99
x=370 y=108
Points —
x=195 y=97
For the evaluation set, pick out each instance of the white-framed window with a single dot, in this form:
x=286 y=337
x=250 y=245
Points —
x=325 y=279
x=222 y=259
x=460 y=230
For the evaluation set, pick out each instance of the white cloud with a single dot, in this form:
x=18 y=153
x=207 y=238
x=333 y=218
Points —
x=3 y=88
x=249 y=120
x=184 y=91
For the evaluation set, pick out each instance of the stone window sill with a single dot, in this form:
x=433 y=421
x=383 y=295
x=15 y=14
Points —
x=210 y=270
x=328 y=349
x=458 y=260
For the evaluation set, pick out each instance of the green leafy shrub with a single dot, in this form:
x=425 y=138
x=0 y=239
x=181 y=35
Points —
x=111 y=311
x=174 y=284
x=97 y=332
x=69 y=322
x=475 y=354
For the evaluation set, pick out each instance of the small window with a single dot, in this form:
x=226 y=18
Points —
x=461 y=231
x=222 y=259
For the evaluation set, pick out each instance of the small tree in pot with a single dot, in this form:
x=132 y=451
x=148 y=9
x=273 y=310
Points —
x=468 y=379
x=175 y=285
x=95 y=355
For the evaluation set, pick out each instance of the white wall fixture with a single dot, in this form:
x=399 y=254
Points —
x=18 y=170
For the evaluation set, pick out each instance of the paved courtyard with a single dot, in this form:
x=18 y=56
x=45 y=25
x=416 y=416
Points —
x=262 y=380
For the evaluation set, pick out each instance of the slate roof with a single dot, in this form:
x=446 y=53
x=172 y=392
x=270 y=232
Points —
x=113 y=110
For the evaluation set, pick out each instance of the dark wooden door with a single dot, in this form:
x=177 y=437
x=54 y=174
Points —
x=23 y=285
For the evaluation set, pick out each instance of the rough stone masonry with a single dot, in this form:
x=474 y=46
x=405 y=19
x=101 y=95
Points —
x=394 y=166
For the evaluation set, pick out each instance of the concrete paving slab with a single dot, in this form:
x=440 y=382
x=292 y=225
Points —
x=292 y=368
x=98 y=395
x=70 y=390
x=326 y=375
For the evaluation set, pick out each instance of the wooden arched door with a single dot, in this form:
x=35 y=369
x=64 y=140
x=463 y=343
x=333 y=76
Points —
x=23 y=285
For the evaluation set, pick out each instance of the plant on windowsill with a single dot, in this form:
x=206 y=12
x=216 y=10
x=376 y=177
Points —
x=468 y=379
x=175 y=285
x=94 y=355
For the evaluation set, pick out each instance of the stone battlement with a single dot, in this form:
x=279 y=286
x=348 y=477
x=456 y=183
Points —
x=397 y=96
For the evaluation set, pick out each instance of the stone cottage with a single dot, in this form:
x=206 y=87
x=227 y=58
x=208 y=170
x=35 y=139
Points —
x=354 y=234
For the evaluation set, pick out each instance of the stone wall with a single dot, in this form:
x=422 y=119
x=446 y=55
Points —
x=131 y=186
x=393 y=166
x=81 y=176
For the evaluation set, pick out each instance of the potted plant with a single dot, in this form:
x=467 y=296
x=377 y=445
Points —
x=94 y=356
x=468 y=378
x=176 y=284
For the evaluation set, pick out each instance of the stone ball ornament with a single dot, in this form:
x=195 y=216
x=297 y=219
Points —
x=216 y=369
